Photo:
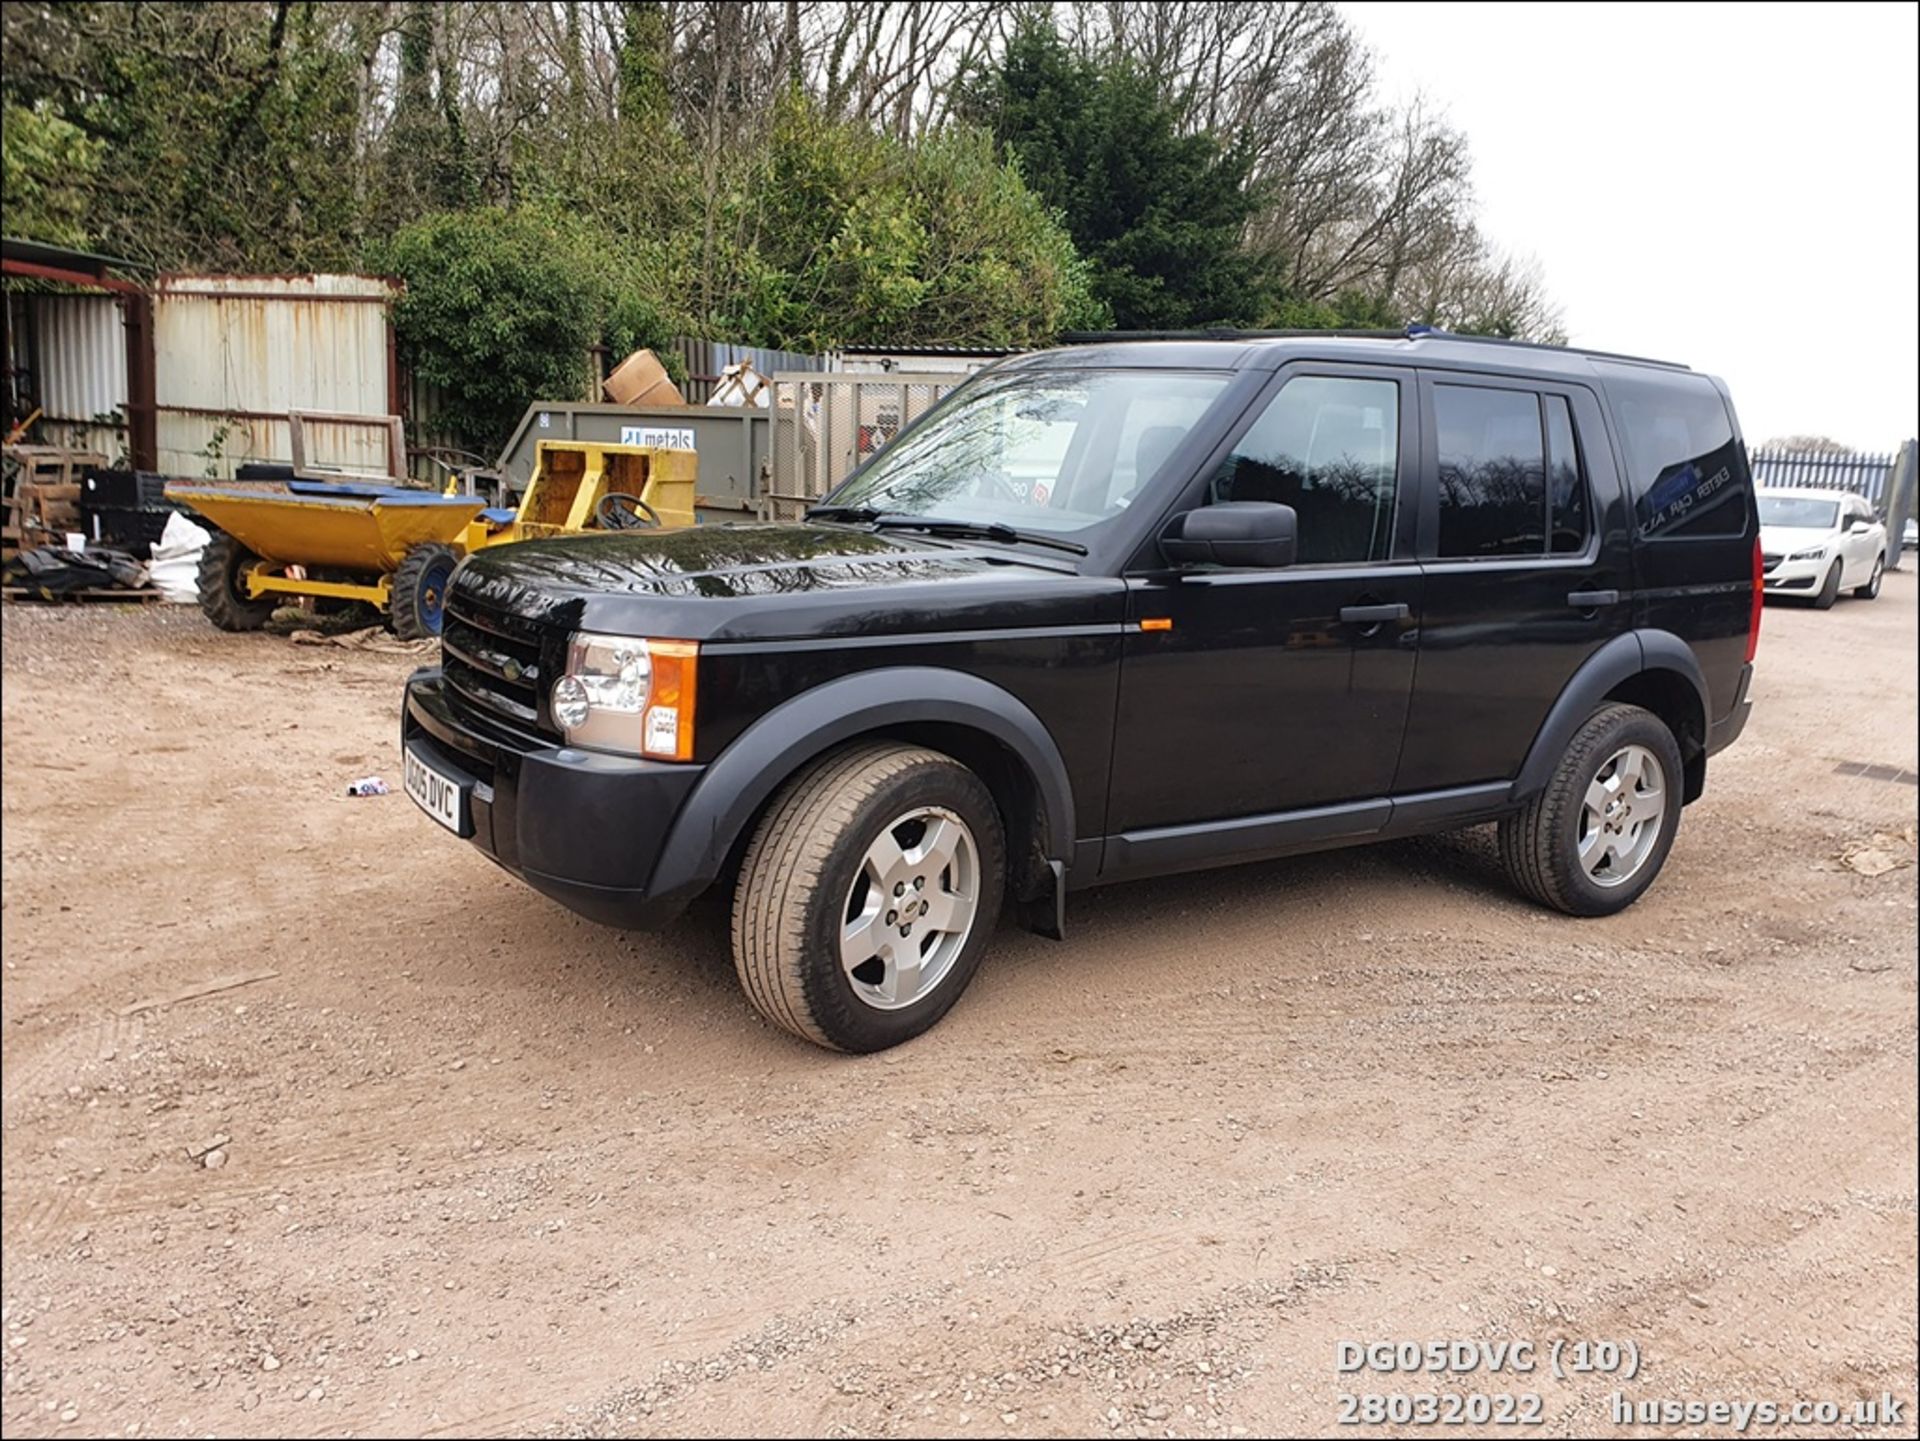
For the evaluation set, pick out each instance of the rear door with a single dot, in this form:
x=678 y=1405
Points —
x=1523 y=540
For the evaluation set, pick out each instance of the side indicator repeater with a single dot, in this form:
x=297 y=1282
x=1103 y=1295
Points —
x=1157 y=622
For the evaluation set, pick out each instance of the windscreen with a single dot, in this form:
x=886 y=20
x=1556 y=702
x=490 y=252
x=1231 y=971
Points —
x=1798 y=512
x=1054 y=451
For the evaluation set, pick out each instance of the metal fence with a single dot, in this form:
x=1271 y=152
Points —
x=1868 y=475
x=826 y=424
x=705 y=359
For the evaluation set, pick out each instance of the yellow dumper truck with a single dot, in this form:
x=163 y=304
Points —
x=396 y=547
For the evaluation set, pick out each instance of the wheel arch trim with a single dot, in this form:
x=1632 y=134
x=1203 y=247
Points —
x=744 y=776
x=1633 y=653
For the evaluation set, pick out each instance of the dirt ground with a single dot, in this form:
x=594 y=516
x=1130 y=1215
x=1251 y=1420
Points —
x=491 y=1169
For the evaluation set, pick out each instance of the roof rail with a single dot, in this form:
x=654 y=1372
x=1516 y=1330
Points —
x=1220 y=332
x=1432 y=332
x=1411 y=332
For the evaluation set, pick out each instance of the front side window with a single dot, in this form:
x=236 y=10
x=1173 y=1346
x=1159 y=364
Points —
x=1329 y=446
x=1057 y=451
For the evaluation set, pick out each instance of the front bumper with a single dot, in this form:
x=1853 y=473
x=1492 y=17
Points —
x=1791 y=576
x=583 y=828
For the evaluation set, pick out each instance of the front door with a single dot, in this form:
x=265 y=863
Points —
x=1245 y=692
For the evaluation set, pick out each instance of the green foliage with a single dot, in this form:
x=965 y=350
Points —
x=1158 y=213
x=1351 y=310
x=47 y=165
x=857 y=238
x=501 y=308
x=551 y=177
x=642 y=66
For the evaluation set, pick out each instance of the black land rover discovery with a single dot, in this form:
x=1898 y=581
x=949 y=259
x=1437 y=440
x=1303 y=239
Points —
x=1111 y=611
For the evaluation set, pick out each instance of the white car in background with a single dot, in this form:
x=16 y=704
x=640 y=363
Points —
x=1817 y=543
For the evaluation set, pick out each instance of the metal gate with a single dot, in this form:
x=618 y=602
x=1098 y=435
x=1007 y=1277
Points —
x=1866 y=475
x=826 y=424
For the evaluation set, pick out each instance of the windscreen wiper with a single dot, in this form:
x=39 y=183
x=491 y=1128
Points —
x=980 y=529
x=853 y=514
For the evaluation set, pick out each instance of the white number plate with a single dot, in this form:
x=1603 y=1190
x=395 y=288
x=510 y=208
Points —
x=438 y=795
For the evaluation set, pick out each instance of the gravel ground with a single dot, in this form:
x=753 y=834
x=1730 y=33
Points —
x=443 y=1159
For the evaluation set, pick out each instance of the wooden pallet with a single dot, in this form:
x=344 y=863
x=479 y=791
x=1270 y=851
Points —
x=145 y=595
x=42 y=500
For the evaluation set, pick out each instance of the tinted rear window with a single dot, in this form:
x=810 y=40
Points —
x=1493 y=487
x=1688 y=474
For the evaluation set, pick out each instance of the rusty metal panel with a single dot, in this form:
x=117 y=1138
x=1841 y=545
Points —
x=210 y=444
x=236 y=353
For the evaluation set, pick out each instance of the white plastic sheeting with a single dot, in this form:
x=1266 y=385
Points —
x=176 y=560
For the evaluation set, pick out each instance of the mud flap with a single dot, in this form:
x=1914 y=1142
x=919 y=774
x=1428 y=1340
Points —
x=1046 y=915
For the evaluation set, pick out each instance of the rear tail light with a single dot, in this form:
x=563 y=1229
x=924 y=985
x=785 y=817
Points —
x=1759 y=598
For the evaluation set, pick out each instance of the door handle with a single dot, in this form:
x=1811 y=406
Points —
x=1593 y=599
x=1372 y=614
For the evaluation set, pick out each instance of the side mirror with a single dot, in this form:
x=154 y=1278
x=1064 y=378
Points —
x=1856 y=525
x=1253 y=533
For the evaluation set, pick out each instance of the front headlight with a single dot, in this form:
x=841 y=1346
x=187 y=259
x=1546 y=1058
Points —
x=622 y=693
x=1814 y=554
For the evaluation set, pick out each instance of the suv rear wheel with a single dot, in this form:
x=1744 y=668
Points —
x=1594 y=839
x=868 y=895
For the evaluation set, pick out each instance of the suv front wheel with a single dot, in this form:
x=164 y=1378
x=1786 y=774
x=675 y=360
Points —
x=1594 y=839
x=867 y=896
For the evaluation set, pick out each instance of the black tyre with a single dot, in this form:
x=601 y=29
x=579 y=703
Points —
x=420 y=590
x=1595 y=838
x=1829 y=589
x=222 y=585
x=868 y=894
x=1871 y=590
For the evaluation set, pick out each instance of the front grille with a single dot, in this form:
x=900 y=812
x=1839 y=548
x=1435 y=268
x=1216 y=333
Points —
x=491 y=662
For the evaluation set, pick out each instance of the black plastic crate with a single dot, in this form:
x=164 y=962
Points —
x=122 y=489
x=135 y=530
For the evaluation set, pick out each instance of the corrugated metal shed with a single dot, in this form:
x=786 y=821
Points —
x=233 y=354
x=81 y=359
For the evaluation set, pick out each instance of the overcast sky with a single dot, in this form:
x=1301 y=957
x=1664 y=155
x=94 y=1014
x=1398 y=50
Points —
x=1730 y=186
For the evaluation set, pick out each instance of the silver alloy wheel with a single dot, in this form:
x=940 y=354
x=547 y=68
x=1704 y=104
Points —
x=1622 y=816
x=910 y=908
x=1873 y=583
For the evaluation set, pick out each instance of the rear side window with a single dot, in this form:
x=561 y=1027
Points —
x=1687 y=473
x=1566 y=481
x=1511 y=481
x=1493 y=486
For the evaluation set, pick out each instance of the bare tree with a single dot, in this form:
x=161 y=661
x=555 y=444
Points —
x=1808 y=445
